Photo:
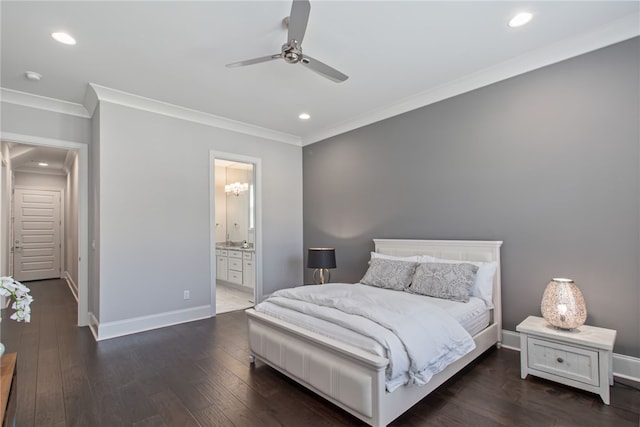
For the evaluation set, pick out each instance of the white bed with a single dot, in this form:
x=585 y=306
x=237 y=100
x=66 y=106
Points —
x=352 y=378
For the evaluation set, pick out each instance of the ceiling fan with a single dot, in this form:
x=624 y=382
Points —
x=292 y=50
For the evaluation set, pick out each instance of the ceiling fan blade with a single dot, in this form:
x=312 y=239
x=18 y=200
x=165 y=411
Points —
x=298 y=20
x=253 y=61
x=323 y=69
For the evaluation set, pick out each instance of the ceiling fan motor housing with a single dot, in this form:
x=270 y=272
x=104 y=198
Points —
x=291 y=52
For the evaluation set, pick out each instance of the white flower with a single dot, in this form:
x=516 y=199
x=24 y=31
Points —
x=19 y=293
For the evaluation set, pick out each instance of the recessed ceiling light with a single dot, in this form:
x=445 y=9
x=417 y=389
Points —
x=304 y=116
x=32 y=75
x=63 y=38
x=520 y=19
x=43 y=164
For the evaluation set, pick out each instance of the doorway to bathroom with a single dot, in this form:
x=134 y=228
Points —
x=235 y=227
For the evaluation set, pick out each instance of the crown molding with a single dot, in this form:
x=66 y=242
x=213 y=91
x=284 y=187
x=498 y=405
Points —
x=25 y=99
x=90 y=100
x=615 y=32
x=115 y=96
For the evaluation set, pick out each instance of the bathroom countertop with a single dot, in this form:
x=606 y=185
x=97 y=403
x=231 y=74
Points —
x=235 y=248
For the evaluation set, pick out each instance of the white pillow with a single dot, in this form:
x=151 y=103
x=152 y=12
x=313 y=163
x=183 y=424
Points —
x=413 y=258
x=483 y=285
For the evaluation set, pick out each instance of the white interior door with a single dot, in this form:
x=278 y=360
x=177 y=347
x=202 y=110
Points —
x=37 y=244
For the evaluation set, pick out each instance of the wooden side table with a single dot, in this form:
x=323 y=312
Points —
x=8 y=389
x=580 y=358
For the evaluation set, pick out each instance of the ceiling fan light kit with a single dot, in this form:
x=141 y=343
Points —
x=291 y=51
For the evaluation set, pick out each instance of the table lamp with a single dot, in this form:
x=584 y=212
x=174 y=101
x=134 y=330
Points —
x=322 y=259
x=563 y=305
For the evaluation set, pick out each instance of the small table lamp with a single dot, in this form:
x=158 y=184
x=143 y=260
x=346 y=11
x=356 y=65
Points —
x=322 y=259
x=563 y=305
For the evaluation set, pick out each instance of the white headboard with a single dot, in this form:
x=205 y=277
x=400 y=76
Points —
x=463 y=250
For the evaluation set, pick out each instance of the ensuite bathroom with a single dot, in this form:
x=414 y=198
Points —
x=235 y=231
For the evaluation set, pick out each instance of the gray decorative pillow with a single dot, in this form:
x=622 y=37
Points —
x=447 y=281
x=389 y=274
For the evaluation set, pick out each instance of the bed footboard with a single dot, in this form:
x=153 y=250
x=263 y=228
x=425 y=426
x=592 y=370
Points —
x=350 y=378
x=346 y=376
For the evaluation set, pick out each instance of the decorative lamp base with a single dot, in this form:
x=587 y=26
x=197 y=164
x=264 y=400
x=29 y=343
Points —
x=319 y=275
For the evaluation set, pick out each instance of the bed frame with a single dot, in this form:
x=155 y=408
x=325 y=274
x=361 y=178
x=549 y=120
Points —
x=354 y=379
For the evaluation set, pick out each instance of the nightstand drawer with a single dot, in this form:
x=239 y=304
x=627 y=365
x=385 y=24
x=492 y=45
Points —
x=574 y=363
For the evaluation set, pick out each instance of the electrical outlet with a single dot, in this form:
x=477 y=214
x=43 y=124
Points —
x=187 y=295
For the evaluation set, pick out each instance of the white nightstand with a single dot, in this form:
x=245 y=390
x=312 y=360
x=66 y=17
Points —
x=579 y=358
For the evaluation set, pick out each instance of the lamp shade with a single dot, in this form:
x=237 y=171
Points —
x=563 y=305
x=321 y=258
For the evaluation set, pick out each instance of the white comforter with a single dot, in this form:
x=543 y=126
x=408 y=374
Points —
x=419 y=338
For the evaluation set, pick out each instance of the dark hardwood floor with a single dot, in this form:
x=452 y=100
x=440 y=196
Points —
x=197 y=374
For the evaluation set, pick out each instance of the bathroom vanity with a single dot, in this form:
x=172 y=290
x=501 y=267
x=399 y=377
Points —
x=236 y=265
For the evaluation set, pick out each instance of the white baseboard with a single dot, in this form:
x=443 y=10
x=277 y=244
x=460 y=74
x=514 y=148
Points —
x=93 y=325
x=72 y=285
x=144 y=323
x=511 y=340
x=624 y=366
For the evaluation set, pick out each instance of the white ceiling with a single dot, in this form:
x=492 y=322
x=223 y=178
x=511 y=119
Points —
x=398 y=55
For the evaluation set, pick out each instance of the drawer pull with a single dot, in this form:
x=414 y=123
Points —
x=560 y=359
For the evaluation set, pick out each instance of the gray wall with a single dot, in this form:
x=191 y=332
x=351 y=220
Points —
x=47 y=124
x=548 y=162
x=147 y=253
x=154 y=210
